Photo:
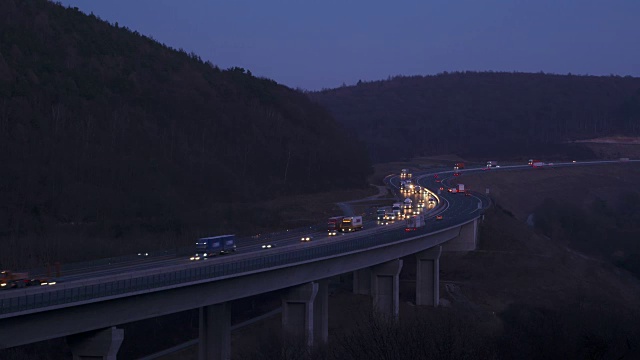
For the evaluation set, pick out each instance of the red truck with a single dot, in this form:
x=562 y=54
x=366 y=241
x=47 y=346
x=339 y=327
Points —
x=9 y=279
x=458 y=189
x=458 y=166
x=334 y=225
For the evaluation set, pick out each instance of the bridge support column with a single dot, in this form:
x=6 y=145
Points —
x=215 y=332
x=298 y=311
x=428 y=277
x=102 y=344
x=466 y=240
x=385 y=288
x=321 y=313
x=362 y=281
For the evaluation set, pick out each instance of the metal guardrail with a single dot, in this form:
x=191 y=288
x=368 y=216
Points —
x=188 y=275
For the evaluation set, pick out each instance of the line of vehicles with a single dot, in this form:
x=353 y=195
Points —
x=213 y=246
x=413 y=216
x=460 y=165
x=209 y=247
x=494 y=164
x=225 y=244
x=11 y=280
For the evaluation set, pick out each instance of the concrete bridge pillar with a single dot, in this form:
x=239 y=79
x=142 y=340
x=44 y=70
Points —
x=99 y=345
x=362 y=281
x=428 y=276
x=298 y=311
x=385 y=288
x=466 y=240
x=215 y=332
x=321 y=313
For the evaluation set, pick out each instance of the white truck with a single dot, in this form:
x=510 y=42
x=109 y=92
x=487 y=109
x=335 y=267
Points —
x=458 y=189
x=406 y=207
x=397 y=209
x=351 y=223
x=414 y=222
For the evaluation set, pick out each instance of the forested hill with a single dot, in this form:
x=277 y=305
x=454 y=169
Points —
x=494 y=114
x=98 y=121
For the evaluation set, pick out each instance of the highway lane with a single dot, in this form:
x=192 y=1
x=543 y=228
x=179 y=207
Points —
x=245 y=245
x=453 y=207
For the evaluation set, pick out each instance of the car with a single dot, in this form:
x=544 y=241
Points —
x=306 y=238
x=456 y=174
x=333 y=232
x=441 y=188
x=467 y=193
x=438 y=217
x=267 y=246
x=438 y=180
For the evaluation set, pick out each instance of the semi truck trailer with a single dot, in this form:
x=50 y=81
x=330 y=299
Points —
x=414 y=222
x=351 y=223
x=215 y=245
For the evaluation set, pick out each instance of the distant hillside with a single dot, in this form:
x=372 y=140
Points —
x=99 y=124
x=486 y=114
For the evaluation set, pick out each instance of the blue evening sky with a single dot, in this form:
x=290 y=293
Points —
x=322 y=44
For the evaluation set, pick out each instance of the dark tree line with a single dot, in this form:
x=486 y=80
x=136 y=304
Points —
x=99 y=124
x=484 y=112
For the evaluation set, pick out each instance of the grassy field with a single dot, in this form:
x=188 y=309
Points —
x=517 y=264
x=522 y=191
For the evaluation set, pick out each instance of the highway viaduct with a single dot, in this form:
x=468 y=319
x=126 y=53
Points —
x=87 y=312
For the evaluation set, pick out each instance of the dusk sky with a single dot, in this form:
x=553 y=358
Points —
x=323 y=44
